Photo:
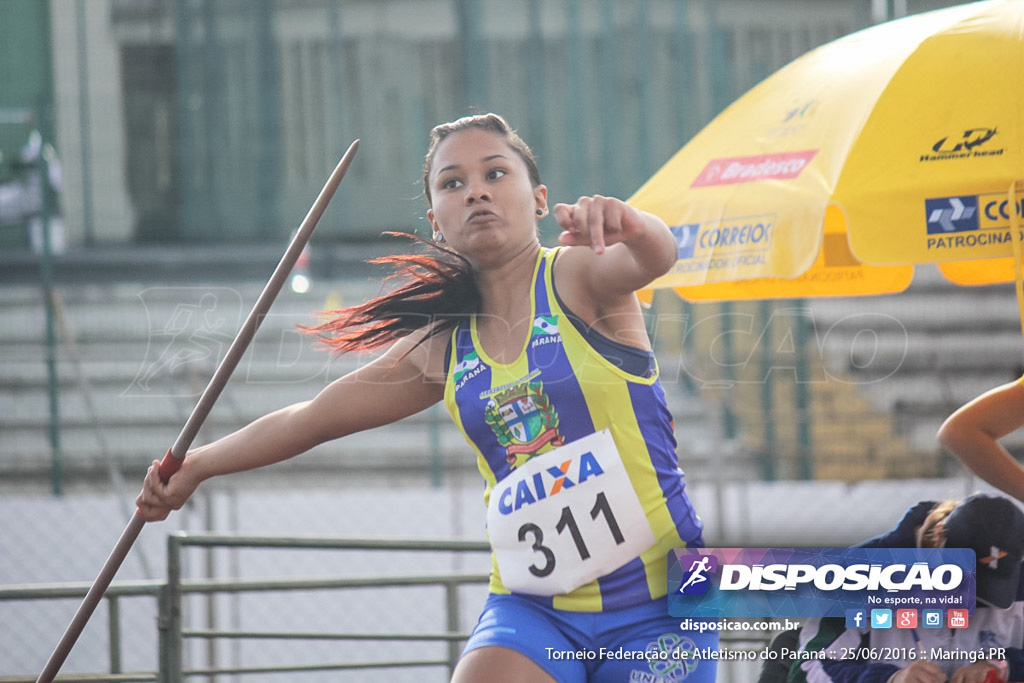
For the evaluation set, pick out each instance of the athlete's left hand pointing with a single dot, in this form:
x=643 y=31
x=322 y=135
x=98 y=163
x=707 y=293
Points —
x=597 y=222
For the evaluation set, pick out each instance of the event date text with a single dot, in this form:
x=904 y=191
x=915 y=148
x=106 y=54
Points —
x=884 y=654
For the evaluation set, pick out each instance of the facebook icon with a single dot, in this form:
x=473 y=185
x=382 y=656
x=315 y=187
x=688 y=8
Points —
x=856 y=618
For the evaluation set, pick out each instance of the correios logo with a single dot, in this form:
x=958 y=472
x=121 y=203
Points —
x=749 y=169
x=549 y=482
x=686 y=239
x=951 y=214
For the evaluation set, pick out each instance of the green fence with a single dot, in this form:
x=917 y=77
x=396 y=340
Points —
x=206 y=121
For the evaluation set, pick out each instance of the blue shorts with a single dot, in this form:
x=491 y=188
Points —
x=640 y=644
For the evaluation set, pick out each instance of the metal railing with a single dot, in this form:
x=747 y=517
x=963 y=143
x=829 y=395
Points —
x=170 y=596
x=113 y=597
x=173 y=633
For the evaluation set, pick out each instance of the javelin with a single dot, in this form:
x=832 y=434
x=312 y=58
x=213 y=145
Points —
x=176 y=453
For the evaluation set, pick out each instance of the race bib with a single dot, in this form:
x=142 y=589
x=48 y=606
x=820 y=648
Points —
x=565 y=518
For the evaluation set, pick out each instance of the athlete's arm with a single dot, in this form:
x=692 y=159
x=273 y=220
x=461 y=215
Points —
x=405 y=380
x=615 y=249
x=972 y=433
x=628 y=248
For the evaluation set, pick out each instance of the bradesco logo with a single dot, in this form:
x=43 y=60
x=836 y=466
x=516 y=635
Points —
x=549 y=482
x=749 y=169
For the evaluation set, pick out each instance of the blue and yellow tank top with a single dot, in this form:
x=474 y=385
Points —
x=559 y=390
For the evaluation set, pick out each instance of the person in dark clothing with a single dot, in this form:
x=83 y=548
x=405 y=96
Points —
x=993 y=527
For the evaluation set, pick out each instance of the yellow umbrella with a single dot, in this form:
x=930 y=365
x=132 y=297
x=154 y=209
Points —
x=895 y=145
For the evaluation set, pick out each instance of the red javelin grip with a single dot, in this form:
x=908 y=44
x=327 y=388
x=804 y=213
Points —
x=168 y=466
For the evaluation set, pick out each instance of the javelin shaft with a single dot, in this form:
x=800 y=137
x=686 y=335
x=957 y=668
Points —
x=256 y=316
x=176 y=454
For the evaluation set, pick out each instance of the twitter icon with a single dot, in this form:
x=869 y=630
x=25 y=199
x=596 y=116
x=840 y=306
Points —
x=881 y=618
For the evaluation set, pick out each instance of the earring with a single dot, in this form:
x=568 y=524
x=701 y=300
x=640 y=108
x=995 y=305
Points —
x=438 y=237
x=540 y=212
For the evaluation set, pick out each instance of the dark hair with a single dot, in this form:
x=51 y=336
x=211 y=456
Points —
x=489 y=122
x=433 y=291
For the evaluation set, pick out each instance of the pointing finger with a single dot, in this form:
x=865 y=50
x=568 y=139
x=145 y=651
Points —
x=564 y=216
x=596 y=224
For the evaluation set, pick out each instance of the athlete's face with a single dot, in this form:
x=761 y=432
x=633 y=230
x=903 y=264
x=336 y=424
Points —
x=482 y=197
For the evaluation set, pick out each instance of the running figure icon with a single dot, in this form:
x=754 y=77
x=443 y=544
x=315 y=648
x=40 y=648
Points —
x=698 y=570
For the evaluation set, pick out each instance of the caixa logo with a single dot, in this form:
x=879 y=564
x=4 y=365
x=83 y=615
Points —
x=548 y=482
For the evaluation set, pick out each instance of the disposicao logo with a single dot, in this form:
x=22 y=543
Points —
x=816 y=582
x=697 y=579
